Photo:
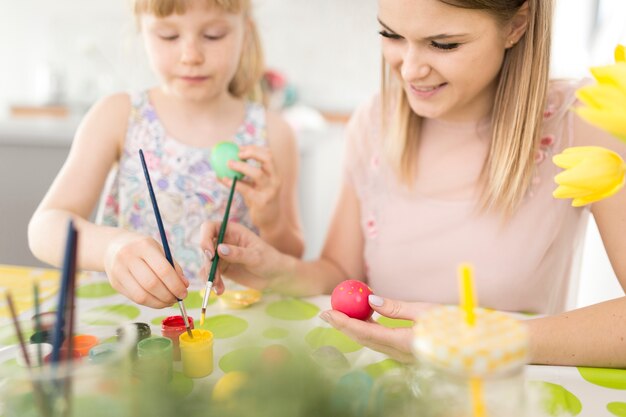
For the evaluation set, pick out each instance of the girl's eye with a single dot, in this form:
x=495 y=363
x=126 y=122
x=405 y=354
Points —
x=445 y=46
x=389 y=35
x=168 y=37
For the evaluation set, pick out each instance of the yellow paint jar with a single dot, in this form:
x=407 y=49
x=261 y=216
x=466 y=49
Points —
x=197 y=353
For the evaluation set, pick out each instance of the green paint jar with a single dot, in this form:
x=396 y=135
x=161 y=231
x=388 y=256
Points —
x=155 y=359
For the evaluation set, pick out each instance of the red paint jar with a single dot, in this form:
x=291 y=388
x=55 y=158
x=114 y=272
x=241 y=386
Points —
x=172 y=327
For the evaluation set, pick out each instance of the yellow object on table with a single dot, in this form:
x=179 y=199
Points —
x=197 y=353
x=19 y=281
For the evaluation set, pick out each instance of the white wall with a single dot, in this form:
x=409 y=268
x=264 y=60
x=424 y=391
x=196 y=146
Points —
x=327 y=48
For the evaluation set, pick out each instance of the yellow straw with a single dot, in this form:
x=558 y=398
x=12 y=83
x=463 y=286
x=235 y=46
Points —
x=468 y=296
x=468 y=304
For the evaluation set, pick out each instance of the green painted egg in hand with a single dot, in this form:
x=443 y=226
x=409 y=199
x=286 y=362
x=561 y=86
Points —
x=221 y=154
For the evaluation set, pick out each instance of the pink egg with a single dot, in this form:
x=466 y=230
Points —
x=350 y=297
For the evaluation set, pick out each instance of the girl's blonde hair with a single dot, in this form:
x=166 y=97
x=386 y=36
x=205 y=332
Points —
x=247 y=80
x=516 y=115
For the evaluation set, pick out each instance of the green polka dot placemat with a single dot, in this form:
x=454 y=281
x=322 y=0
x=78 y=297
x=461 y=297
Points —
x=617 y=408
x=322 y=336
x=554 y=400
x=225 y=325
x=110 y=315
x=292 y=309
x=394 y=323
x=605 y=377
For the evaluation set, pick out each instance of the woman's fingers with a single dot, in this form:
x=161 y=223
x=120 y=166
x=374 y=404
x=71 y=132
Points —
x=393 y=342
x=396 y=309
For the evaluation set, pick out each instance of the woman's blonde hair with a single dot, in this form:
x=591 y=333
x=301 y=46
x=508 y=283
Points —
x=516 y=115
x=247 y=79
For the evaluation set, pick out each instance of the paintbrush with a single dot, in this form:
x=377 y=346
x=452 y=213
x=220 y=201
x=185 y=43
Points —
x=216 y=258
x=71 y=297
x=37 y=320
x=41 y=403
x=166 y=247
x=66 y=273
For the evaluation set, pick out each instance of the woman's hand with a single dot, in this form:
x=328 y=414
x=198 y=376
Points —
x=395 y=342
x=260 y=187
x=244 y=257
x=137 y=268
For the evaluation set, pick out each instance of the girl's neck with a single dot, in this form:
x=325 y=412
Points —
x=211 y=110
x=198 y=123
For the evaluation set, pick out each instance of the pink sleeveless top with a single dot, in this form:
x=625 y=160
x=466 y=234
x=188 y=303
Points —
x=414 y=243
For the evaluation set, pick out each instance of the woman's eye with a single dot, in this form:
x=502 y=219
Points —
x=214 y=37
x=445 y=46
x=168 y=37
x=389 y=35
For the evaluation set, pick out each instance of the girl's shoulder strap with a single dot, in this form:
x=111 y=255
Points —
x=253 y=131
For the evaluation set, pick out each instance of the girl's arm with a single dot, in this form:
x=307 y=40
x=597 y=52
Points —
x=134 y=263
x=252 y=262
x=76 y=189
x=594 y=335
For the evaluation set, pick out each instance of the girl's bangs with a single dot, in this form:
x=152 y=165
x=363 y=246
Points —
x=163 y=8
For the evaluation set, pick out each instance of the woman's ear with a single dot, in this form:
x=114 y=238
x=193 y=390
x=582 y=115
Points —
x=518 y=24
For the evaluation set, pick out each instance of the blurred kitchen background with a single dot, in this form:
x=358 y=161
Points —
x=59 y=57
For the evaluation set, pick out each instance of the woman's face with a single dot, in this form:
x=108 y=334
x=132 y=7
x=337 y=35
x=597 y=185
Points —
x=447 y=58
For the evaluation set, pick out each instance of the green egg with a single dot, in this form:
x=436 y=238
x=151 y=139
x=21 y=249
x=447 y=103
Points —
x=221 y=154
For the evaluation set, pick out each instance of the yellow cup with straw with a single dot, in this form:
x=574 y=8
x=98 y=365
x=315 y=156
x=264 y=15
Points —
x=474 y=358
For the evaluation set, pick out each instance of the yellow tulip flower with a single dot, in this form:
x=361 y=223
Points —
x=606 y=101
x=592 y=173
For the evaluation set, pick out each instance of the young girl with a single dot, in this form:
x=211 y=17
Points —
x=208 y=58
x=453 y=164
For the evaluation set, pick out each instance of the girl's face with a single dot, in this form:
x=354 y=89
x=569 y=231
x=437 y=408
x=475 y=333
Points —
x=447 y=58
x=195 y=54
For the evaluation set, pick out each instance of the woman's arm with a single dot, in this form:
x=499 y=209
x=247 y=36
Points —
x=594 y=335
x=250 y=261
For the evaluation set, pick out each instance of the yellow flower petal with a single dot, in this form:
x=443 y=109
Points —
x=592 y=173
x=612 y=75
x=602 y=96
x=613 y=122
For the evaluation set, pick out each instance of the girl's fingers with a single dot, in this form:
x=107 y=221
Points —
x=168 y=276
x=137 y=294
x=251 y=172
x=149 y=281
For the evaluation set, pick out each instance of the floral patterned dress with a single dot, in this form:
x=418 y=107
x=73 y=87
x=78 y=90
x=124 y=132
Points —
x=185 y=183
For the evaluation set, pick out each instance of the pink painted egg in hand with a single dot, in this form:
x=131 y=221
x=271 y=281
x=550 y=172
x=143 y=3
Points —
x=351 y=298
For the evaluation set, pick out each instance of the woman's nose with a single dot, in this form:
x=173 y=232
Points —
x=414 y=65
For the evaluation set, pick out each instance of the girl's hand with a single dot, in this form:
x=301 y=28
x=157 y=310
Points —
x=395 y=342
x=136 y=267
x=244 y=257
x=260 y=187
